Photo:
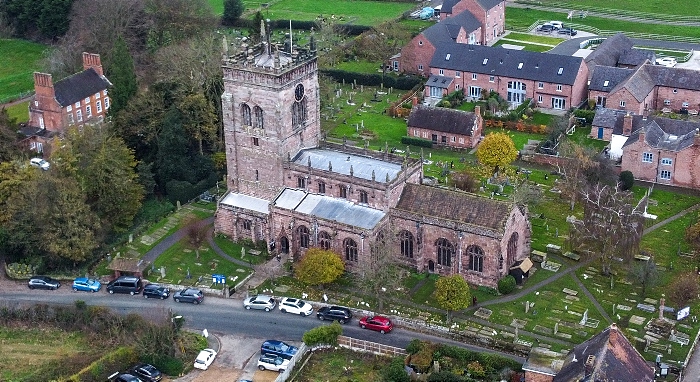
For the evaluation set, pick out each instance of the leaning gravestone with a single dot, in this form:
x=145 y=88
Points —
x=162 y=272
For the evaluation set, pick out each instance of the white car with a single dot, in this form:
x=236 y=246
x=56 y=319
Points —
x=556 y=24
x=204 y=359
x=38 y=162
x=296 y=306
x=272 y=362
x=668 y=62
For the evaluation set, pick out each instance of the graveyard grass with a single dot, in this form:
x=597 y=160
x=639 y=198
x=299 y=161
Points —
x=234 y=250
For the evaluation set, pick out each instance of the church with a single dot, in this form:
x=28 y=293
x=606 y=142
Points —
x=289 y=187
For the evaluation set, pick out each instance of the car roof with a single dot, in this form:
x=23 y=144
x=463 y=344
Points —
x=379 y=318
x=274 y=342
x=154 y=286
x=128 y=278
x=81 y=279
x=192 y=290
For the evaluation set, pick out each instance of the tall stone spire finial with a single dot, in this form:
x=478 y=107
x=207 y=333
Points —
x=372 y=174
x=330 y=166
x=387 y=177
x=312 y=43
x=263 y=35
x=351 y=170
x=224 y=46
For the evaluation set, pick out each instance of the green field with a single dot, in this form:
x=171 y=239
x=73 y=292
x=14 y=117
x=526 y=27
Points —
x=19 y=112
x=346 y=12
x=18 y=60
x=667 y=7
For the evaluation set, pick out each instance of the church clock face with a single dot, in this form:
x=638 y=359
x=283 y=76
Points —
x=299 y=92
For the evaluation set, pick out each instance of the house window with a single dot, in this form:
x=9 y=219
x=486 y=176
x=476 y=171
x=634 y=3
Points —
x=675 y=91
x=558 y=88
x=647 y=157
x=104 y=92
x=665 y=175
x=454 y=139
x=106 y=103
x=69 y=108
x=97 y=95
x=685 y=104
x=476 y=258
x=458 y=74
x=406 y=239
x=540 y=85
x=474 y=76
x=303 y=236
x=475 y=91
x=256 y=141
x=324 y=240
x=363 y=197
x=442 y=72
x=87 y=100
x=343 y=192
x=70 y=118
x=321 y=188
x=539 y=99
x=420 y=67
x=36 y=103
x=88 y=111
x=461 y=141
x=350 y=250
x=299 y=114
x=98 y=104
x=247 y=224
x=622 y=103
x=492 y=78
x=667 y=161
x=434 y=138
x=79 y=114
x=457 y=87
x=301 y=182
x=445 y=250
x=41 y=122
x=443 y=139
x=77 y=104
x=667 y=102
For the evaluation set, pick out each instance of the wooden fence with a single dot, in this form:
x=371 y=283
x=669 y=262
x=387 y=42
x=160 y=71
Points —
x=370 y=347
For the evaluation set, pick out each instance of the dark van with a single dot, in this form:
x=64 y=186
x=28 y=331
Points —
x=125 y=284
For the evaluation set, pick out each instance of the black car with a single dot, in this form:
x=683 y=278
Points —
x=337 y=313
x=43 y=282
x=194 y=296
x=546 y=28
x=125 y=284
x=126 y=378
x=568 y=31
x=156 y=291
x=147 y=373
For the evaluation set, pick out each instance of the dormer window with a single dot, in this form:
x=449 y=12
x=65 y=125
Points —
x=77 y=104
x=561 y=70
x=520 y=66
x=606 y=83
x=97 y=95
x=447 y=58
x=485 y=61
x=69 y=108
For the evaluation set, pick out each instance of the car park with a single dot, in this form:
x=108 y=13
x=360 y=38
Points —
x=546 y=28
x=43 y=282
x=296 y=306
x=125 y=284
x=194 y=296
x=272 y=362
x=337 y=313
x=380 y=324
x=261 y=302
x=84 y=284
x=41 y=163
x=668 y=62
x=156 y=291
x=278 y=348
x=205 y=359
x=567 y=31
x=147 y=373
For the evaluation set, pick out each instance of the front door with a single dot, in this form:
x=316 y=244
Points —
x=558 y=103
x=431 y=266
x=600 y=133
x=284 y=244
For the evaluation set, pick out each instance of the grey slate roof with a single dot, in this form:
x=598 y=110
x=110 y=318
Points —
x=442 y=119
x=447 y=30
x=247 y=202
x=488 y=4
x=615 y=119
x=79 y=86
x=664 y=133
x=612 y=75
x=362 y=166
x=447 y=5
x=636 y=57
x=439 y=81
x=505 y=62
x=639 y=84
x=610 y=119
x=608 y=53
x=673 y=77
x=329 y=208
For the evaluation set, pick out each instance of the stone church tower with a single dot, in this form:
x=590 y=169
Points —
x=271 y=111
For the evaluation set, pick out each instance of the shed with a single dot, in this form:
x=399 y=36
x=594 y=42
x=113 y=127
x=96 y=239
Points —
x=129 y=266
x=521 y=270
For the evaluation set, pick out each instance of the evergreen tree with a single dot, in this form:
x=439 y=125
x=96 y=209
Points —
x=54 y=18
x=233 y=9
x=254 y=30
x=120 y=72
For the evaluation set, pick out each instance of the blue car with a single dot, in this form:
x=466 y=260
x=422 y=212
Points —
x=86 y=285
x=278 y=348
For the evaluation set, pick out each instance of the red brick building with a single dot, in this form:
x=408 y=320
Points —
x=446 y=127
x=75 y=100
x=288 y=187
x=490 y=14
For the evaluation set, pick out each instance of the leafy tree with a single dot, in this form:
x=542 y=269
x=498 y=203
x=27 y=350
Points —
x=380 y=43
x=645 y=274
x=173 y=21
x=254 y=30
x=120 y=72
x=199 y=119
x=683 y=289
x=452 y=293
x=444 y=376
x=507 y=284
x=496 y=152
x=54 y=18
x=48 y=17
x=395 y=372
x=382 y=270
x=233 y=9
x=329 y=37
x=319 y=267
x=323 y=335
x=692 y=235
x=626 y=180
x=9 y=149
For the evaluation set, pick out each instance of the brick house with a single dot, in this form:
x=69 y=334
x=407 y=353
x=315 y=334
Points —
x=552 y=81
x=74 y=100
x=447 y=127
x=617 y=52
x=490 y=14
x=290 y=188
x=662 y=150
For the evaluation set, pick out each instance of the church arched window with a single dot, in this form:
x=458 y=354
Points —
x=445 y=250
x=350 y=249
x=324 y=240
x=476 y=258
x=258 y=121
x=245 y=115
x=299 y=114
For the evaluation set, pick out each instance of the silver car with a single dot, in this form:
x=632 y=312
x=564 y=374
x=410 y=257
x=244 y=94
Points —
x=261 y=302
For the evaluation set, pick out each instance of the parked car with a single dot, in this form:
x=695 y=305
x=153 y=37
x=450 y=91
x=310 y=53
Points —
x=548 y=28
x=668 y=62
x=377 y=323
x=278 y=348
x=261 y=302
x=204 y=359
x=296 y=306
x=337 y=313
x=194 y=296
x=125 y=284
x=126 y=377
x=41 y=163
x=43 y=282
x=272 y=362
x=156 y=291
x=85 y=284
x=147 y=373
x=567 y=31
x=556 y=24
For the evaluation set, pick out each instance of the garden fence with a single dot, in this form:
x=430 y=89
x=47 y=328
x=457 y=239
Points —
x=283 y=376
x=615 y=13
x=370 y=347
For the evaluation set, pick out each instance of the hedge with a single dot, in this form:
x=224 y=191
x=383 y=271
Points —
x=417 y=142
x=120 y=359
x=323 y=335
x=373 y=79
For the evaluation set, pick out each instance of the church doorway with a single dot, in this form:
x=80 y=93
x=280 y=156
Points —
x=431 y=266
x=284 y=244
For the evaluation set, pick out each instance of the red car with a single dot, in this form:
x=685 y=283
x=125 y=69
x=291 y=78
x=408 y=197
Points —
x=378 y=323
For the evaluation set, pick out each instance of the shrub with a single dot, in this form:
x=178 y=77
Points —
x=414 y=346
x=488 y=290
x=444 y=376
x=626 y=180
x=588 y=114
x=395 y=372
x=417 y=142
x=323 y=335
x=506 y=284
x=166 y=364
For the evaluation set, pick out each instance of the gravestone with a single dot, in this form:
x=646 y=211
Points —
x=556 y=327
x=584 y=319
x=131 y=238
x=527 y=306
x=242 y=252
x=162 y=271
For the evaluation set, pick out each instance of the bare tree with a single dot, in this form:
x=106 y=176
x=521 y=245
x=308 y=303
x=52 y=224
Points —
x=196 y=234
x=330 y=41
x=381 y=43
x=192 y=62
x=684 y=289
x=575 y=168
x=612 y=226
x=645 y=274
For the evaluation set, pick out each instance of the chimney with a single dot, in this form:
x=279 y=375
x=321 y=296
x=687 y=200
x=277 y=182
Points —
x=92 y=60
x=42 y=80
x=589 y=366
x=627 y=125
x=414 y=101
x=477 y=110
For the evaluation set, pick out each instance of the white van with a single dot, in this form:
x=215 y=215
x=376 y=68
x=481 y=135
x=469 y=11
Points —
x=556 y=24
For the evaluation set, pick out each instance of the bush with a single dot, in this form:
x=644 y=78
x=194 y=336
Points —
x=414 y=346
x=417 y=142
x=444 y=376
x=323 y=335
x=395 y=372
x=626 y=180
x=588 y=114
x=166 y=364
x=506 y=284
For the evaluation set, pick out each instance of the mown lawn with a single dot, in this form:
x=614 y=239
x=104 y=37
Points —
x=330 y=365
x=668 y=7
x=234 y=250
x=358 y=12
x=18 y=60
x=19 y=112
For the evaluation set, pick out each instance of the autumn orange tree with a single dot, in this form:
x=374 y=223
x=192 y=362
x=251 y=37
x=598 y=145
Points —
x=319 y=267
x=495 y=154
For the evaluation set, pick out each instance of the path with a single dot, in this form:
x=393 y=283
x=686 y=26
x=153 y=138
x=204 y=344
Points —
x=672 y=218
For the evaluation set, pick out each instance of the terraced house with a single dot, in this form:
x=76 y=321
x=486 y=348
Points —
x=289 y=187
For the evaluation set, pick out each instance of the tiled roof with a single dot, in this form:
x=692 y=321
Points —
x=79 y=86
x=442 y=119
x=448 y=29
x=608 y=356
x=447 y=5
x=455 y=206
x=608 y=53
x=636 y=57
x=605 y=78
x=639 y=84
x=609 y=118
x=614 y=119
x=488 y=4
x=439 y=81
x=507 y=63
x=673 y=77
x=664 y=133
